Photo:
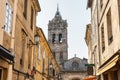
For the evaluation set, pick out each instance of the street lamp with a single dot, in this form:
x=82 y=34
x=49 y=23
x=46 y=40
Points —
x=36 y=39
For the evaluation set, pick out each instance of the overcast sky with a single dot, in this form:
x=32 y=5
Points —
x=74 y=11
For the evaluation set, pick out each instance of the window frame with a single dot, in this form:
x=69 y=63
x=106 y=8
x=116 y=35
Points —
x=32 y=18
x=101 y=4
x=60 y=38
x=119 y=11
x=8 y=18
x=109 y=26
x=25 y=8
x=53 y=38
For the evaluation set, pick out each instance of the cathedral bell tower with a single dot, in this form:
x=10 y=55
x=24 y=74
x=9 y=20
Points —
x=57 y=38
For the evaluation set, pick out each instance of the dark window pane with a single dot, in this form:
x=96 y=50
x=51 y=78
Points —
x=0 y=74
x=60 y=38
x=53 y=38
x=115 y=75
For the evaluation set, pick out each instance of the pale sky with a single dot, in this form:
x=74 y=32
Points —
x=74 y=11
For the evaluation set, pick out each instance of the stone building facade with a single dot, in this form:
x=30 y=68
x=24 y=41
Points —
x=71 y=69
x=57 y=38
x=7 y=23
x=46 y=66
x=6 y=54
x=21 y=57
x=75 y=69
x=91 y=38
x=106 y=13
x=24 y=31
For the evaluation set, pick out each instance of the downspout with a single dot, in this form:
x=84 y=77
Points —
x=99 y=77
x=98 y=35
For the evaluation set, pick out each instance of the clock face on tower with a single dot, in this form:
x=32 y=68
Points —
x=57 y=47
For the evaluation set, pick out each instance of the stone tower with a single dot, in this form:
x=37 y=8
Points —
x=57 y=38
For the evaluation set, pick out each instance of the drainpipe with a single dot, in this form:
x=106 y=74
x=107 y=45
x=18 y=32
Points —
x=98 y=35
x=98 y=39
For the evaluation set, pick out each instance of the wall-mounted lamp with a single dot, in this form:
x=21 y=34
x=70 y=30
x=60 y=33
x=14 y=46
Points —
x=36 y=39
x=50 y=65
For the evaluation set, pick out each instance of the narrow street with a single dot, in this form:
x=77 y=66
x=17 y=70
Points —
x=60 y=40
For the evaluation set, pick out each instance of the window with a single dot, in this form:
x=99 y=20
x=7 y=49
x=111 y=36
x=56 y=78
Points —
x=23 y=44
x=115 y=75
x=105 y=76
x=101 y=4
x=39 y=51
x=53 y=72
x=25 y=9
x=102 y=38
x=0 y=74
x=109 y=27
x=53 y=38
x=31 y=24
x=60 y=38
x=119 y=10
x=8 y=19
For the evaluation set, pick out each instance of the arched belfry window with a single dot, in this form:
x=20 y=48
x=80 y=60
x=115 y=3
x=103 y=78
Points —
x=53 y=38
x=60 y=38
